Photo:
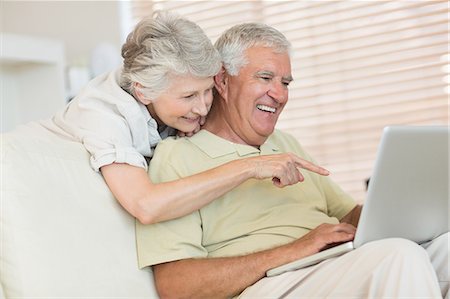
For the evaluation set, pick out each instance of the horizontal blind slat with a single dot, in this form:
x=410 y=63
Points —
x=358 y=66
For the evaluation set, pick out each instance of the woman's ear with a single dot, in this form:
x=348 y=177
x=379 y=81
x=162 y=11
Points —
x=221 y=81
x=139 y=95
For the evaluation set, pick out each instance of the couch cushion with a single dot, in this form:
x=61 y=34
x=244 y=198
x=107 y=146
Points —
x=62 y=232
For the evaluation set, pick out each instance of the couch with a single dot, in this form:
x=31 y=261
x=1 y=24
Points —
x=62 y=233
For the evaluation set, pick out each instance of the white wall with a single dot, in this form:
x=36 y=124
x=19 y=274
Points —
x=80 y=25
x=31 y=79
x=69 y=30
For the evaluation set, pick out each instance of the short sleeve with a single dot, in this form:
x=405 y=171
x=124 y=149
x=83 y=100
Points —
x=108 y=139
x=105 y=134
x=172 y=240
x=339 y=203
x=109 y=123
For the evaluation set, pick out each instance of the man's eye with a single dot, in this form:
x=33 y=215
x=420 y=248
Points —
x=266 y=78
x=189 y=96
x=286 y=83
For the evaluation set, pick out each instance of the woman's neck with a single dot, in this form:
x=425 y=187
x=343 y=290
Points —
x=155 y=116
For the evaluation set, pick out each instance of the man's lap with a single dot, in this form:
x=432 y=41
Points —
x=438 y=250
x=351 y=275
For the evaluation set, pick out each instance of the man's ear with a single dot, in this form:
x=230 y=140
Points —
x=139 y=95
x=221 y=82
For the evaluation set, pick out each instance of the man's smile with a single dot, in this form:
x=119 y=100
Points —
x=266 y=108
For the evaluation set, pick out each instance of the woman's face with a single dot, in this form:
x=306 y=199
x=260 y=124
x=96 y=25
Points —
x=184 y=102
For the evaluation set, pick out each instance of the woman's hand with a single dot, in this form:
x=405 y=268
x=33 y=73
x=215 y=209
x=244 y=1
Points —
x=284 y=169
x=199 y=125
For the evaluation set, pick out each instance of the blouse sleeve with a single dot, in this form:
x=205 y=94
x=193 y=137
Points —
x=106 y=133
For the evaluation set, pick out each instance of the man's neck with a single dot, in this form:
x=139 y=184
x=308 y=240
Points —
x=218 y=124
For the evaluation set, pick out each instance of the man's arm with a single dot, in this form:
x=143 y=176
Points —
x=353 y=216
x=226 y=277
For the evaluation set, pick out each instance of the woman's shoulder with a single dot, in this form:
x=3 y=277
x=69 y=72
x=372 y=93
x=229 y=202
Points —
x=103 y=90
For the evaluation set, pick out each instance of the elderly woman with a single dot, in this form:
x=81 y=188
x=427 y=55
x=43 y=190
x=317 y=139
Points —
x=165 y=85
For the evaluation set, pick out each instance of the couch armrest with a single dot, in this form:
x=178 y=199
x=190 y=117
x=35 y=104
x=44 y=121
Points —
x=62 y=232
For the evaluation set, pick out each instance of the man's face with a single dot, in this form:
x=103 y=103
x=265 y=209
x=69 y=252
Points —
x=258 y=94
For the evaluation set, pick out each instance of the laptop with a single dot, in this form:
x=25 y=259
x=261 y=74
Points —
x=408 y=193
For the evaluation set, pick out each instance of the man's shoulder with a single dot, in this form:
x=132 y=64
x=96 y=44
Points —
x=176 y=157
x=192 y=141
x=284 y=140
x=182 y=147
x=172 y=143
x=280 y=134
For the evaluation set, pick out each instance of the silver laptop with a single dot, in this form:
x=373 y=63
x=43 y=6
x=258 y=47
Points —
x=408 y=194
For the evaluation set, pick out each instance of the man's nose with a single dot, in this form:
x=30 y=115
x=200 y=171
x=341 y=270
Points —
x=278 y=91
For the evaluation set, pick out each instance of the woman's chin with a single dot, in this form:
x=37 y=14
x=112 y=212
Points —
x=187 y=129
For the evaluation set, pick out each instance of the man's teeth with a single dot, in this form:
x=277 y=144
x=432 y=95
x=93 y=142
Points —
x=266 y=108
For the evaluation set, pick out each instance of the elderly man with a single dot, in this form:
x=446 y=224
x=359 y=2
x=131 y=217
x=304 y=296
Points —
x=225 y=248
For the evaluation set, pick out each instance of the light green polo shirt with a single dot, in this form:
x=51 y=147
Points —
x=252 y=217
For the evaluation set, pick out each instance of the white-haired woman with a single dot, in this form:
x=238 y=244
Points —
x=164 y=86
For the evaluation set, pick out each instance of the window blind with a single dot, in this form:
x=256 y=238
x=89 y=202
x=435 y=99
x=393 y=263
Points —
x=358 y=66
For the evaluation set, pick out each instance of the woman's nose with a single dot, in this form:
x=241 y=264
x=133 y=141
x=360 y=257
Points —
x=201 y=107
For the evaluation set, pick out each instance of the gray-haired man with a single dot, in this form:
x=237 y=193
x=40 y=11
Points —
x=225 y=248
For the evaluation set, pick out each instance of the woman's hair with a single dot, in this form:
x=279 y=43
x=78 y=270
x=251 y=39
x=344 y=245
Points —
x=233 y=43
x=162 y=46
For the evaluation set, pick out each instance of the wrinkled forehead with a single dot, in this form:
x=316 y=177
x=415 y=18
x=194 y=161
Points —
x=263 y=59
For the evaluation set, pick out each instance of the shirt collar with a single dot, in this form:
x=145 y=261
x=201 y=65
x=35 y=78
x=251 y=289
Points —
x=215 y=146
x=148 y=118
x=152 y=126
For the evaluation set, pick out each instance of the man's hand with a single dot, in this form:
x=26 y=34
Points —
x=284 y=169
x=324 y=236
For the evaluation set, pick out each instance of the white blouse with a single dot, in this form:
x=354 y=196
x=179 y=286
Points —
x=110 y=123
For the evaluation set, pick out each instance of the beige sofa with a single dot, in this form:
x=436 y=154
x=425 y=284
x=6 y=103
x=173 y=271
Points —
x=62 y=234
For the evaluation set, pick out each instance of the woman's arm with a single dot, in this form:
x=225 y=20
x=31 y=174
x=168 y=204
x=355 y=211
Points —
x=151 y=203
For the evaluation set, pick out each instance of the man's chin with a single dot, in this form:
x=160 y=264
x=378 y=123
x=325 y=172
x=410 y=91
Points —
x=260 y=138
x=266 y=132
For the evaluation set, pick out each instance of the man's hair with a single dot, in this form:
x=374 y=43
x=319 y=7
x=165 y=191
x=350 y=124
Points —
x=233 y=43
x=162 y=46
